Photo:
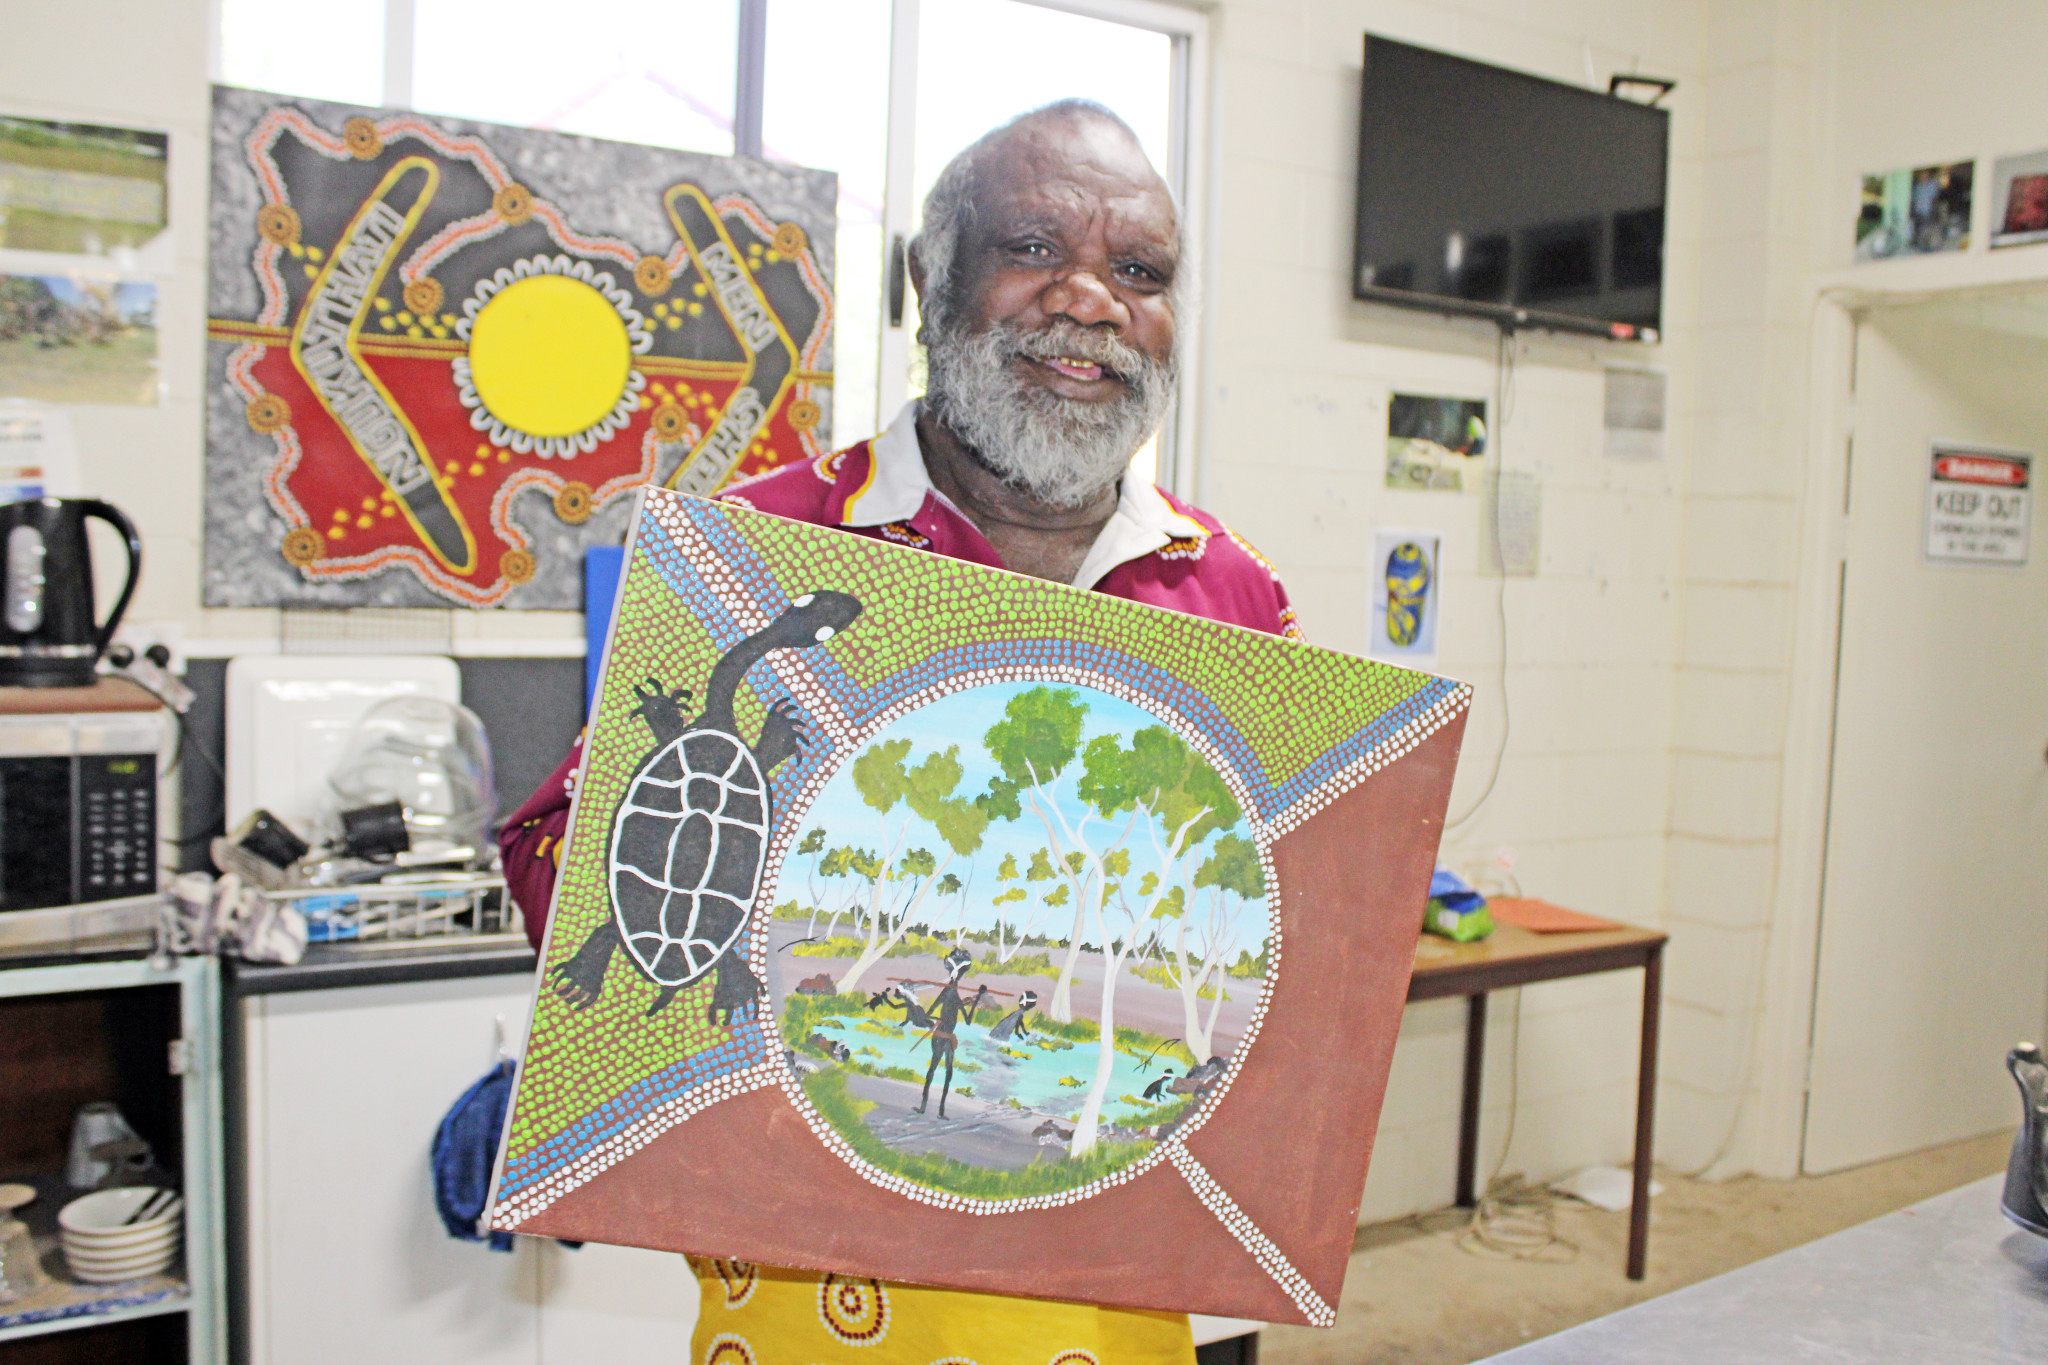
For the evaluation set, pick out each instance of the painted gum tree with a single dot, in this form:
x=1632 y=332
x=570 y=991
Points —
x=1034 y=745
x=1231 y=870
x=887 y=782
x=1162 y=784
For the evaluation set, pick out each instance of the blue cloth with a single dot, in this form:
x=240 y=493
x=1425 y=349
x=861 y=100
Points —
x=466 y=1153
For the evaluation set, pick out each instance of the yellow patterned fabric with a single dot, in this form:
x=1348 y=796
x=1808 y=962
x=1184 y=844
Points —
x=758 y=1315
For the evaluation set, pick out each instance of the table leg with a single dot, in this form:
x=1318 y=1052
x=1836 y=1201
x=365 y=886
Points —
x=1646 y=1113
x=1468 y=1111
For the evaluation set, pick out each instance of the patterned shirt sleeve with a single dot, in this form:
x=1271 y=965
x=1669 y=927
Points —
x=530 y=844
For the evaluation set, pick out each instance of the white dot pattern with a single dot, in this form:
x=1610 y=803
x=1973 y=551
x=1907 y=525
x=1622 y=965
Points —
x=1275 y=1262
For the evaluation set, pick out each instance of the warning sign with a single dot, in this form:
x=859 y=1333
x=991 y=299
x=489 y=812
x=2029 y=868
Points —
x=1977 y=509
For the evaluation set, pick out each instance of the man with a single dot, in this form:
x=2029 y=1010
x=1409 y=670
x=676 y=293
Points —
x=1049 y=276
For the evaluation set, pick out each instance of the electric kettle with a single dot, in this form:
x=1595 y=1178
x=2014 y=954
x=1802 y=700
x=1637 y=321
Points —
x=2026 y=1175
x=47 y=634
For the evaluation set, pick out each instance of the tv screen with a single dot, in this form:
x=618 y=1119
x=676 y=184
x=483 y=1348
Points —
x=1490 y=192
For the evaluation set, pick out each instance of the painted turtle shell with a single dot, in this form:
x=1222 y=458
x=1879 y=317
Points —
x=686 y=852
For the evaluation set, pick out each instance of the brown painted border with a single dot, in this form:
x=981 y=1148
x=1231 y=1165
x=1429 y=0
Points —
x=748 y=1180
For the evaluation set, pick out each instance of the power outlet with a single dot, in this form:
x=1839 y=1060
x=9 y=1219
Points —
x=140 y=635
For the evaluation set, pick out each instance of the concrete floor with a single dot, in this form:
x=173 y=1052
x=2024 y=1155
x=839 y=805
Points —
x=1415 y=1297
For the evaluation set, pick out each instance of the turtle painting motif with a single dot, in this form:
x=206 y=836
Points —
x=689 y=838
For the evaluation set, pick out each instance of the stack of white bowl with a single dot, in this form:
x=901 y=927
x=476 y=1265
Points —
x=103 y=1247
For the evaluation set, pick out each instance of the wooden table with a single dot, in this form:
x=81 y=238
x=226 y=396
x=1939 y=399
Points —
x=1517 y=957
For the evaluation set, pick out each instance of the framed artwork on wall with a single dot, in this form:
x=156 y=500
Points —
x=442 y=355
x=2019 y=199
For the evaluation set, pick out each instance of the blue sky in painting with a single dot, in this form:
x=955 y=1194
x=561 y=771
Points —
x=962 y=719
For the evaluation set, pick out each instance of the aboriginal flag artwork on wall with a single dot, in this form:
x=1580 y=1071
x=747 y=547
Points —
x=442 y=355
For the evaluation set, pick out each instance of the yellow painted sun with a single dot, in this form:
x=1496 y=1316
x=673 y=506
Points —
x=549 y=368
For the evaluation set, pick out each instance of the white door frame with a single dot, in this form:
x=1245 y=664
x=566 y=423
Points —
x=1776 y=1120
x=1773 y=1137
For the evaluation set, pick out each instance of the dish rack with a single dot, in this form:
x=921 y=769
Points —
x=375 y=913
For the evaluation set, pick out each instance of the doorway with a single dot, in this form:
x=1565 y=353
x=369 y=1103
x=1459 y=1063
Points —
x=1933 y=948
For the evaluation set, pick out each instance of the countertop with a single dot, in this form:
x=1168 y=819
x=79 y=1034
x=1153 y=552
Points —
x=1946 y=1280
x=326 y=967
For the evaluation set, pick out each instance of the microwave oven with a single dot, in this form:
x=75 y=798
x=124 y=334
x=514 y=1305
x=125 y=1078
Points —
x=78 y=796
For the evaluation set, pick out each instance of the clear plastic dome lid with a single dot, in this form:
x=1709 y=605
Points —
x=432 y=757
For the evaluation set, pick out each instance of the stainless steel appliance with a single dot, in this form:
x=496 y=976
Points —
x=48 y=637
x=78 y=795
x=2026 y=1173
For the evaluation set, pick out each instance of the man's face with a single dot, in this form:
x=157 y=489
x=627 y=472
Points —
x=1054 y=358
x=1071 y=225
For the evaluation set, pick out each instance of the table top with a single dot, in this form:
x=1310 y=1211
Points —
x=1512 y=956
x=1947 y=1280
x=107 y=694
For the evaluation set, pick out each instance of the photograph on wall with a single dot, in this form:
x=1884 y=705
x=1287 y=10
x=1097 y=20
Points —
x=1979 y=505
x=78 y=339
x=1915 y=212
x=80 y=189
x=2019 y=199
x=1435 y=444
x=933 y=923
x=1406 y=592
x=442 y=355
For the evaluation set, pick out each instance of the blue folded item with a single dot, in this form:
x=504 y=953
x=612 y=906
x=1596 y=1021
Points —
x=1455 y=910
x=1445 y=884
x=466 y=1153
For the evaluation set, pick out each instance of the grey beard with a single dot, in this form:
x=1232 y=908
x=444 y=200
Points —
x=1060 y=451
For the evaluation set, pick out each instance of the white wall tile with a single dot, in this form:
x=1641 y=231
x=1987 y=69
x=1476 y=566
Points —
x=1721 y=883
x=1724 y=798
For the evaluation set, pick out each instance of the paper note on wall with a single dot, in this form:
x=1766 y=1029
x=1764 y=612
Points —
x=38 y=452
x=1634 y=418
x=1510 y=539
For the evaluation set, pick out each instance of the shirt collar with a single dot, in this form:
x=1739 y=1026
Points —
x=897 y=486
x=1144 y=522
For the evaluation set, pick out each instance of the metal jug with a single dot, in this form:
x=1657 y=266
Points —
x=48 y=637
x=2026 y=1174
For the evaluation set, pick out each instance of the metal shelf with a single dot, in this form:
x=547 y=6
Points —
x=175 y=1300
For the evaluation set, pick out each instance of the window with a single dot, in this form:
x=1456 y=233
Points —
x=963 y=91
x=331 y=51
x=825 y=102
x=884 y=92
x=659 y=72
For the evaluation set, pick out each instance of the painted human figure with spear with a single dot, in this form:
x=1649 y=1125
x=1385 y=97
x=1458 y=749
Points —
x=946 y=1011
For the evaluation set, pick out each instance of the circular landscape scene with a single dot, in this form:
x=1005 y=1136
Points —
x=1017 y=938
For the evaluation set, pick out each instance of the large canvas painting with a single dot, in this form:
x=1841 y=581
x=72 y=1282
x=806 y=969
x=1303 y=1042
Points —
x=927 y=922
x=442 y=355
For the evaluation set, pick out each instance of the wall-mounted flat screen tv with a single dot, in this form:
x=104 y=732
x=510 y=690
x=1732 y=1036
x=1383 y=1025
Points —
x=1494 y=193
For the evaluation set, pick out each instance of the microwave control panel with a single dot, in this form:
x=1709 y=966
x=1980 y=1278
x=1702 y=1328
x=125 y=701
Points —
x=116 y=825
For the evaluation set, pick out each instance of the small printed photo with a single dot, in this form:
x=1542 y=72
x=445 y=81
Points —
x=77 y=339
x=1915 y=212
x=1406 y=589
x=2019 y=199
x=78 y=188
x=1434 y=444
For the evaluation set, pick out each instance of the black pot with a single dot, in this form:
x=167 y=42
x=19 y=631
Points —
x=48 y=637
